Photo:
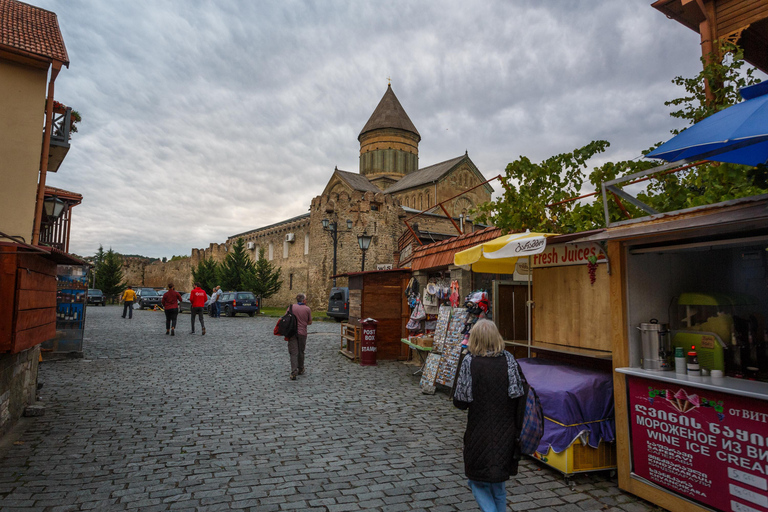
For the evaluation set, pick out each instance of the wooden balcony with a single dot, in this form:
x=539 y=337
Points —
x=60 y=131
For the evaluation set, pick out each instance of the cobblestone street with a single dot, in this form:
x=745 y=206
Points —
x=152 y=422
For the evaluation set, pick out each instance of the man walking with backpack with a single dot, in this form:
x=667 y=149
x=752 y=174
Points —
x=298 y=342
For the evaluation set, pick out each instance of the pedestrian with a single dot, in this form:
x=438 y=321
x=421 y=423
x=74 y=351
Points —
x=128 y=298
x=171 y=300
x=298 y=342
x=489 y=385
x=213 y=303
x=197 y=298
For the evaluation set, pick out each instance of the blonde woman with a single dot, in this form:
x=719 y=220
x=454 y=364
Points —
x=489 y=385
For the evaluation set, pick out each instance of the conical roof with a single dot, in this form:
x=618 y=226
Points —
x=389 y=114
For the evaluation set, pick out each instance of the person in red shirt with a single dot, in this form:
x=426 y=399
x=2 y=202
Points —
x=298 y=343
x=170 y=302
x=198 y=297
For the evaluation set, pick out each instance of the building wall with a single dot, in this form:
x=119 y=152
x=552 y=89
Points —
x=18 y=385
x=291 y=257
x=427 y=196
x=22 y=101
x=388 y=151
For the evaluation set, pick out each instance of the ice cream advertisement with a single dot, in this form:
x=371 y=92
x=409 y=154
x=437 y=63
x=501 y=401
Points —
x=708 y=446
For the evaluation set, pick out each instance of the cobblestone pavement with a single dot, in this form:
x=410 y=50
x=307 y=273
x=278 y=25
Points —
x=152 y=422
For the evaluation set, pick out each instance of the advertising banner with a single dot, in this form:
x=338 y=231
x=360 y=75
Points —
x=560 y=255
x=705 y=445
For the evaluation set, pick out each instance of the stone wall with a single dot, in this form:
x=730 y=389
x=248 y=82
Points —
x=18 y=385
x=179 y=272
x=292 y=257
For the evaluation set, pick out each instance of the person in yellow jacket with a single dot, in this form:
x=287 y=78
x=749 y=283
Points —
x=128 y=298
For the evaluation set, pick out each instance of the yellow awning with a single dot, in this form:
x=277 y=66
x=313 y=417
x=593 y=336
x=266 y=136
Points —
x=499 y=256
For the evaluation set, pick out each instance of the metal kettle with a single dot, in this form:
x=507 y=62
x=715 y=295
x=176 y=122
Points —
x=656 y=346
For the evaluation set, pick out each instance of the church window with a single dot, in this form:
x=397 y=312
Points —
x=306 y=243
x=421 y=202
x=271 y=251
x=428 y=200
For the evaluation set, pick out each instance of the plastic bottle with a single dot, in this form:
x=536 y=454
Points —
x=693 y=362
x=680 y=362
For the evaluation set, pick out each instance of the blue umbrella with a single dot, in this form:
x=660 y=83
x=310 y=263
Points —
x=738 y=134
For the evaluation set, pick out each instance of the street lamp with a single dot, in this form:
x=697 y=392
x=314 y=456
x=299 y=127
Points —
x=53 y=207
x=364 y=241
x=332 y=228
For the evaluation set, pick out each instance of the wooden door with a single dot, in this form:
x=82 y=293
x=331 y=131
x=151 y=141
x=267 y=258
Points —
x=511 y=318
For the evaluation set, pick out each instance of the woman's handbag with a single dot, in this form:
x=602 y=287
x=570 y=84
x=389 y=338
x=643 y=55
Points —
x=530 y=419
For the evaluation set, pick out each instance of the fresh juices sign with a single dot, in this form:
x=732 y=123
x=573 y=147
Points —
x=708 y=446
x=559 y=255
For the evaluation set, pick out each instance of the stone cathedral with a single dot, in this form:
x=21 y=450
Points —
x=388 y=188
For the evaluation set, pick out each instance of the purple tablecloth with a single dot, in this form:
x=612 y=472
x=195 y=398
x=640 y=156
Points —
x=577 y=403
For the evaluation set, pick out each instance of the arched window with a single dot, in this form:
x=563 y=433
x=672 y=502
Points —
x=428 y=205
x=421 y=202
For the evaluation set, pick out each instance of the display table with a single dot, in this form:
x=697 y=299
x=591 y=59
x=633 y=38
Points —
x=423 y=352
x=579 y=426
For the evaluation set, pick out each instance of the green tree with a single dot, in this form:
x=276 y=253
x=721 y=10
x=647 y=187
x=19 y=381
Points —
x=237 y=270
x=98 y=259
x=533 y=194
x=110 y=275
x=266 y=278
x=207 y=274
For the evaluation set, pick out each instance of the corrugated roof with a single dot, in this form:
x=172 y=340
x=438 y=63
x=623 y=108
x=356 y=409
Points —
x=440 y=254
x=286 y=221
x=389 y=114
x=426 y=175
x=358 y=181
x=29 y=29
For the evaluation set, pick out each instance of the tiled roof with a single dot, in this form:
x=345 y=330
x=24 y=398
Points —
x=286 y=221
x=389 y=114
x=440 y=254
x=32 y=30
x=63 y=194
x=358 y=182
x=426 y=175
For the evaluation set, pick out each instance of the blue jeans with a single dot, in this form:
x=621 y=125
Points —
x=216 y=309
x=490 y=497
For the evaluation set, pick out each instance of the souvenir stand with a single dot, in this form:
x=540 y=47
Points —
x=566 y=356
x=378 y=294
x=689 y=439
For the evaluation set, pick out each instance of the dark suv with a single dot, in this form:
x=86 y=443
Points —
x=96 y=298
x=338 y=304
x=232 y=303
x=147 y=298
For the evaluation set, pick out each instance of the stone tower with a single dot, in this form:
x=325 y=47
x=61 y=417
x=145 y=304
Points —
x=389 y=143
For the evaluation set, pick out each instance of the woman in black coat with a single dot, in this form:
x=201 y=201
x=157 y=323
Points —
x=489 y=385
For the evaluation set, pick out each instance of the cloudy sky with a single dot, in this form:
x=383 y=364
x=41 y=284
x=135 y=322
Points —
x=205 y=119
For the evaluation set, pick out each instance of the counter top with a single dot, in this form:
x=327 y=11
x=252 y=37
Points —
x=740 y=387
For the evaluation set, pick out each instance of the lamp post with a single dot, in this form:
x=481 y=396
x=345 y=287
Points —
x=364 y=241
x=332 y=228
x=53 y=207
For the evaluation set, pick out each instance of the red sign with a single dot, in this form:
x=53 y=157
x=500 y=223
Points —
x=709 y=446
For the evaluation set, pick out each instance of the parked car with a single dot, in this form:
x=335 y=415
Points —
x=338 y=304
x=96 y=297
x=232 y=303
x=186 y=307
x=147 y=298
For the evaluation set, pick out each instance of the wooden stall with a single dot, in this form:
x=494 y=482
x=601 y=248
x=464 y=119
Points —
x=380 y=295
x=690 y=441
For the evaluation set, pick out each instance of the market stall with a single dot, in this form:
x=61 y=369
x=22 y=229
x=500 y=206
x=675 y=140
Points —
x=567 y=344
x=692 y=392
x=380 y=295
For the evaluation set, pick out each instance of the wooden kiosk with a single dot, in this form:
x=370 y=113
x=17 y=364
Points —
x=380 y=295
x=689 y=442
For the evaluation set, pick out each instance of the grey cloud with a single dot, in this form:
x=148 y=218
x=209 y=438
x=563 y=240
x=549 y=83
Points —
x=206 y=119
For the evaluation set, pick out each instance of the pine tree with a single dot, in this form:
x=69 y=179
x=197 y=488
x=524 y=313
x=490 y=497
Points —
x=98 y=259
x=109 y=276
x=207 y=274
x=237 y=270
x=266 y=278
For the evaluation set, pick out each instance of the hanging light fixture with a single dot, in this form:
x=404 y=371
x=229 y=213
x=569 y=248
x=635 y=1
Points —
x=364 y=241
x=53 y=207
